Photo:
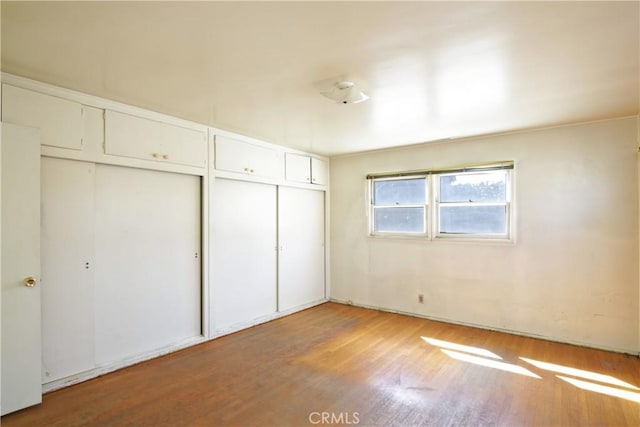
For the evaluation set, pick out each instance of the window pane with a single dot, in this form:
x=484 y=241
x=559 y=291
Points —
x=474 y=187
x=407 y=220
x=400 y=192
x=473 y=219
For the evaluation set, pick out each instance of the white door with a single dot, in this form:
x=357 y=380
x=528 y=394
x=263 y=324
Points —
x=67 y=240
x=147 y=293
x=301 y=240
x=243 y=252
x=21 y=337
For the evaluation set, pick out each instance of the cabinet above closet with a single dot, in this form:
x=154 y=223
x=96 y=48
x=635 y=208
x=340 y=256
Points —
x=234 y=155
x=140 y=138
x=301 y=168
x=59 y=120
x=77 y=126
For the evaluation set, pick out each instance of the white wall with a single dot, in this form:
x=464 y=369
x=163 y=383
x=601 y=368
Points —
x=571 y=275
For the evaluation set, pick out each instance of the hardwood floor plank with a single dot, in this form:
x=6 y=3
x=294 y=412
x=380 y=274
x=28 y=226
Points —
x=356 y=365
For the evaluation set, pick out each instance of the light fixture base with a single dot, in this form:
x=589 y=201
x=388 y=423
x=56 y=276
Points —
x=345 y=92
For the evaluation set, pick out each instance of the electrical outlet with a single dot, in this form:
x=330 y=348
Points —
x=421 y=298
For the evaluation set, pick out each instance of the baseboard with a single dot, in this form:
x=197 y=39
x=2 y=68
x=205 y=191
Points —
x=490 y=328
x=255 y=322
x=112 y=367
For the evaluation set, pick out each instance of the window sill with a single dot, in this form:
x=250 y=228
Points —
x=497 y=241
x=399 y=236
x=500 y=241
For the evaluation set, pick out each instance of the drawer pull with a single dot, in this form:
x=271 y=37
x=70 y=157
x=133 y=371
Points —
x=165 y=156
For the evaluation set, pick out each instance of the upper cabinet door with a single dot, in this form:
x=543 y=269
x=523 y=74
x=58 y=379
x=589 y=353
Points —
x=297 y=168
x=59 y=120
x=318 y=171
x=233 y=155
x=146 y=139
x=305 y=169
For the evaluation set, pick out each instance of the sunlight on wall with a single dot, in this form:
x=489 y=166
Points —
x=490 y=363
x=460 y=347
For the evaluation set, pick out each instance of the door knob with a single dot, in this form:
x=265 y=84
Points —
x=29 y=282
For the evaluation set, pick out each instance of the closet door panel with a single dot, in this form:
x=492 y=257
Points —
x=67 y=200
x=148 y=285
x=243 y=252
x=301 y=239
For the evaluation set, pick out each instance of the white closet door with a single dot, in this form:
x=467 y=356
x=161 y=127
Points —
x=148 y=286
x=67 y=231
x=243 y=252
x=301 y=238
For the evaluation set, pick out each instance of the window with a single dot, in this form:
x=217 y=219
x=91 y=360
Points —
x=472 y=202
x=399 y=205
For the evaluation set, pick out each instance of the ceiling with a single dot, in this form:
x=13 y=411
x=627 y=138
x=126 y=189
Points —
x=433 y=70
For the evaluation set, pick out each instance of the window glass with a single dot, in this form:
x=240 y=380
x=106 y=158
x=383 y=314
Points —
x=473 y=219
x=474 y=187
x=399 y=220
x=400 y=192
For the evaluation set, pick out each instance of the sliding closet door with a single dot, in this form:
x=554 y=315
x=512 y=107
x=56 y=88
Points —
x=301 y=239
x=148 y=263
x=67 y=236
x=243 y=252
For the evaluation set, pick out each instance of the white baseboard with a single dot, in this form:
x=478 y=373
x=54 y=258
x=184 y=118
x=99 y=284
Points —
x=244 y=325
x=111 y=367
x=490 y=328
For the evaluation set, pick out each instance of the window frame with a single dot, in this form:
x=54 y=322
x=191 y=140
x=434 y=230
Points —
x=432 y=204
x=437 y=204
x=425 y=206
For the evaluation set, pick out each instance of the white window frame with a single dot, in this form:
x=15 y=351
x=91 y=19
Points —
x=437 y=204
x=425 y=206
x=432 y=203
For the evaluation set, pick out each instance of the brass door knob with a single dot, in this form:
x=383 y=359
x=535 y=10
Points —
x=29 y=282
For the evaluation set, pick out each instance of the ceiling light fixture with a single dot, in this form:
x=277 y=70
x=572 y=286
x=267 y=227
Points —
x=345 y=93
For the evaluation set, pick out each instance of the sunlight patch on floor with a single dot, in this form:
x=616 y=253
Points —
x=483 y=357
x=611 y=391
x=592 y=376
x=459 y=347
x=509 y=367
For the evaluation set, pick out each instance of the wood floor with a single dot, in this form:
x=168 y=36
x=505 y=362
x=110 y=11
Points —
x=336 y=364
